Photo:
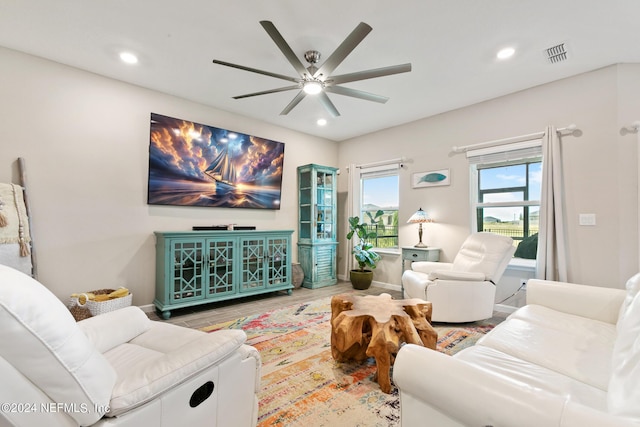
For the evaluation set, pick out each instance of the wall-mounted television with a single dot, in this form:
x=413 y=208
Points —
x=192 y=164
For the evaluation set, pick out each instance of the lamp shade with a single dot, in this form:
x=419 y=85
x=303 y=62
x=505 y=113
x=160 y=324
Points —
x=419 y=217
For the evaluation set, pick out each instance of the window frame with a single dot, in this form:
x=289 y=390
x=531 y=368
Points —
x=521 y=153
x=372 y=173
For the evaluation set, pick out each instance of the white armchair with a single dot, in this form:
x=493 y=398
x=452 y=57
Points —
x=464 y=290
x=116 y=369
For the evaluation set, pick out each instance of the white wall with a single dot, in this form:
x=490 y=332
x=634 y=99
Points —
x=600 y=169
x=85 y=139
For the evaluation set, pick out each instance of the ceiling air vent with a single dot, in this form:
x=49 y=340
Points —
x=556 y=53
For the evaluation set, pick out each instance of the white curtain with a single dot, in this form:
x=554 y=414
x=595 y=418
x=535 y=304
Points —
x=353 y=202
x=552 y=249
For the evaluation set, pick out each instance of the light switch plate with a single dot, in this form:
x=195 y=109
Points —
x=587 y=219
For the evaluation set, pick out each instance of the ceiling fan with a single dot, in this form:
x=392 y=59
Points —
x=318 y=81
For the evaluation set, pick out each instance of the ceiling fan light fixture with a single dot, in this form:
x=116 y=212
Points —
x=316 y=81
x=312 y=87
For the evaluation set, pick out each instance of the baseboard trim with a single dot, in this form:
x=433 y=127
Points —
x=390 y=286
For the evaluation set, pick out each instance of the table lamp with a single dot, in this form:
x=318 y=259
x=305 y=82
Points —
x=419 y=217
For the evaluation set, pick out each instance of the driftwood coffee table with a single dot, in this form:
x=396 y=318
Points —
x=375 y=326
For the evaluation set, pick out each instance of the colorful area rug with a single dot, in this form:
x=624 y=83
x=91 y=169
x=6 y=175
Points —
x=301 y=383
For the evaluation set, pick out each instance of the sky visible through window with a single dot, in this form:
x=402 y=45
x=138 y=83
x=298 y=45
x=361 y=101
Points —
x=382 y=192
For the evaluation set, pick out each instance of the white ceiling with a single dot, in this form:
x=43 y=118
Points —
x=450 y=44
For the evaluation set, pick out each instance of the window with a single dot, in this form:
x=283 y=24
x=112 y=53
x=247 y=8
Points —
x=379 y=190
x=507 y=189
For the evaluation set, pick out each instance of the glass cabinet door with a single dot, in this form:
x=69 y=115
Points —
x=187 y=281
x=317 y=203
x=252 y=254
x=306 y=205
x=277 y=261
x=221 y=269
x=324 y=206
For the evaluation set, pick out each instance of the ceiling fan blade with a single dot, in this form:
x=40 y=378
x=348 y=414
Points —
x=369 y=74
x=327 y=104
x=343 y=50
x=255 y=70
x=265 y=92
x=356 y=94
x=284 y=46
x=299 y=97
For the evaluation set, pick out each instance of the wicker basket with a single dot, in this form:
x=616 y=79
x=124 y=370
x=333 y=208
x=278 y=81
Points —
x=101 y=307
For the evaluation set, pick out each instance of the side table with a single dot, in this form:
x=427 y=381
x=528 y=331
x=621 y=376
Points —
x=411 y=254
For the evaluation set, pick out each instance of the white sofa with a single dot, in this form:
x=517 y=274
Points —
x=116 y=369
x=569 y=358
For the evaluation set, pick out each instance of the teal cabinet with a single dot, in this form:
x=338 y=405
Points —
x=317 y=218
x=199 y=267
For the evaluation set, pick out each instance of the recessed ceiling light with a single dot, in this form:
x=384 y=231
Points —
x=128 y=57
x=505 y=53
x=321 y=122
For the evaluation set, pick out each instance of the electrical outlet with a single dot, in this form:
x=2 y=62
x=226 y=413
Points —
x=523 y=283
x=587 y=219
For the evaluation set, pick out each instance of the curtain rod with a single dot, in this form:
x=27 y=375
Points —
x=513 y=139
x=381 y=163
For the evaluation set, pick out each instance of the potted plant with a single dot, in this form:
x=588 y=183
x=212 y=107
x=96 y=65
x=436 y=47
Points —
x=363 y=252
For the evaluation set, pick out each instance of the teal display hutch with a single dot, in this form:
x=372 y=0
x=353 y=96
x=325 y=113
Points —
x=200 y=267
x=317 y=218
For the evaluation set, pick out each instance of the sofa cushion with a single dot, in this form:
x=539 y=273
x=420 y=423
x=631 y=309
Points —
x=624 y=392
x=571 y=345
x=536 y=376
x=162 y=357
x=46 y=346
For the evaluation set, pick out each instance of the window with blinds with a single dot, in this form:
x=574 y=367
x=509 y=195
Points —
x=506 y=183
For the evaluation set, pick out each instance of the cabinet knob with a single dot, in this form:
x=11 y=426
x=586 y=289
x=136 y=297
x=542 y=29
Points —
x=414 y=255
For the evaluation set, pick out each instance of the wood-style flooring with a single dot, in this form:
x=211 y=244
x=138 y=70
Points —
x=211 y=314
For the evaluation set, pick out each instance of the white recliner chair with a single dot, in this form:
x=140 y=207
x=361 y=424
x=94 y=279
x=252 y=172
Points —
x=118 y=368
x=464 y=290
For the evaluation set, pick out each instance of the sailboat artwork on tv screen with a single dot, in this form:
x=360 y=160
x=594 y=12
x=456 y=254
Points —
x=191 y=164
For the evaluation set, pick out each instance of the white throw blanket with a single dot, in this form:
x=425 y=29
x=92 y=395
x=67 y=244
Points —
x=14 y=225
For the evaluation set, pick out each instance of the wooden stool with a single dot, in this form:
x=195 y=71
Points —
x=375 y=326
